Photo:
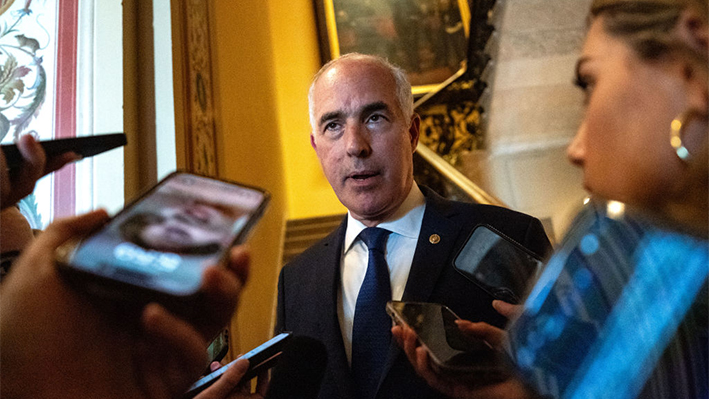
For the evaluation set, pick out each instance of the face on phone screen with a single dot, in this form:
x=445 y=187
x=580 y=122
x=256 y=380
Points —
x=166 y=239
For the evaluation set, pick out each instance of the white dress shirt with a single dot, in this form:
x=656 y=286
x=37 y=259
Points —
x=405 y=226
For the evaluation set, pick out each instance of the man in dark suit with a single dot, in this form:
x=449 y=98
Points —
x=365 y=133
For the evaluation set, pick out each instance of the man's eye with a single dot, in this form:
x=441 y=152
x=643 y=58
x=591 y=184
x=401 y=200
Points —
x=331 y=126
x=376 y=118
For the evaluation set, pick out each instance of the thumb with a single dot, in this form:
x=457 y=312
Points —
x=77 y=226
x=506 y=309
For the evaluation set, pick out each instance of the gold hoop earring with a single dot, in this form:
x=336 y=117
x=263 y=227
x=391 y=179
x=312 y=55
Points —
x=676 y=130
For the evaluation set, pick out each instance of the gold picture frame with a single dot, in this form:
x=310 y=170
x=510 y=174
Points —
x=427 y=38
x=199 y=140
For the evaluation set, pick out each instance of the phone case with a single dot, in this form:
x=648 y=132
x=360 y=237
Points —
x=450 y=352
x=260 y=358
x=85 y=146
x=509 y=281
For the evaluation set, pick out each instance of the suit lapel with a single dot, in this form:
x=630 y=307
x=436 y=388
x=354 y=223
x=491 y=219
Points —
x=436 y=242
x=331 y=334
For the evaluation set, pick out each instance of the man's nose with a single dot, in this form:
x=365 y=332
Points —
x=357 y=141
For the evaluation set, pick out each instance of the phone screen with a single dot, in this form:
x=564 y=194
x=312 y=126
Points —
x=435 y=326
x=497 y=264
x=166 y=239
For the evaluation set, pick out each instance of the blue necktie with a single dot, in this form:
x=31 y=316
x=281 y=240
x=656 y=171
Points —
x=371 y=329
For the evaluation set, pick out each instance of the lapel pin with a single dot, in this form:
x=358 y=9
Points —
x=434 y=239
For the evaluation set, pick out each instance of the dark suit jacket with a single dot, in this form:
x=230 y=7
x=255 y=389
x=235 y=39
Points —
x=308 y=286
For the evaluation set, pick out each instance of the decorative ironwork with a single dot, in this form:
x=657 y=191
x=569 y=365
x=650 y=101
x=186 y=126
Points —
x=453 y=116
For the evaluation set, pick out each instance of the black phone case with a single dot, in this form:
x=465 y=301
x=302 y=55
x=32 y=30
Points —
x=87 y=146
x=259 y=361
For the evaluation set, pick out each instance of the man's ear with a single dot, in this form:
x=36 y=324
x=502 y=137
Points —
x=312 y=142
x=414 y=130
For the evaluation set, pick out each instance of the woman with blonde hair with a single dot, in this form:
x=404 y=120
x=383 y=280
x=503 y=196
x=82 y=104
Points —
x=620 y=310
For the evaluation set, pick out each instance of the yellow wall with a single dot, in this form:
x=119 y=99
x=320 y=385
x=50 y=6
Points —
x=264 y=55
x=297 y=58
x=249 y=149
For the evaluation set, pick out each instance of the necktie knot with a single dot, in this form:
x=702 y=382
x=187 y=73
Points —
x=375 y=238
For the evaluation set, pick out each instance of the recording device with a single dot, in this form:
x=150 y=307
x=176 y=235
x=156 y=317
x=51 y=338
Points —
x=300 y=370
x=157 y=248
x=85 y=147
x=496 y=263
x=451 y=351
x=260 y=358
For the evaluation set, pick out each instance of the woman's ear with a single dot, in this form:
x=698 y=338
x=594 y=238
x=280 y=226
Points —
x=693 y=30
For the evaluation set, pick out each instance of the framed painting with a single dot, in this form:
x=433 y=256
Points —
x=427 y=38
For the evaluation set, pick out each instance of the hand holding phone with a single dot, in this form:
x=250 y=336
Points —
x=260 y=358
x=85 y=146
x=157 y=248
x=451 y=351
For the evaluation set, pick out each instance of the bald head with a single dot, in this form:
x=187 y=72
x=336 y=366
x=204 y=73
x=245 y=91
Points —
x=404 y=96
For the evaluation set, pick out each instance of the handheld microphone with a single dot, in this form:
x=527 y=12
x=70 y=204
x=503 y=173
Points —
x=300 y=370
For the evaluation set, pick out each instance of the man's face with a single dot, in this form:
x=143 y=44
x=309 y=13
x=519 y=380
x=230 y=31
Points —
x=195 y=224
x=363 y=141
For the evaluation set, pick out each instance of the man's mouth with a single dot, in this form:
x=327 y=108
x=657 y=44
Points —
x=362 y=176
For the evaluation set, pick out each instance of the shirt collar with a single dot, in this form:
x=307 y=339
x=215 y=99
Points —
x=406 y=221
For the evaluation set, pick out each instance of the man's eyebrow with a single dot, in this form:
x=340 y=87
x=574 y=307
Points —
x=376 y=106
x=366 y=110
x=330 y=115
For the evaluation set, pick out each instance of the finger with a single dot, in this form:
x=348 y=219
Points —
x=238 y=263
x=398 y=335
x=506 y=309
x=409 y=344
x=221 y=288
x=159 y=323
x=262 y=383
x=31 y=169
x=4 y=183
x=488 y=333
x=229 y=381
x=64 y=229
x=214 y=366
x=57 y=161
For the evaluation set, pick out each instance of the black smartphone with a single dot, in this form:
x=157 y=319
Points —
x=86 y=146
x=218 y=348
x=156 y=248
x=451 y=351
x=260 y=358
x=496 y=263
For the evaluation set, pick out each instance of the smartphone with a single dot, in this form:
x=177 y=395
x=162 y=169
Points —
x=218 y=348
x=496 y=263
x=86 y=146
x=157 y=247
x=260 y=358
x=451 y=351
